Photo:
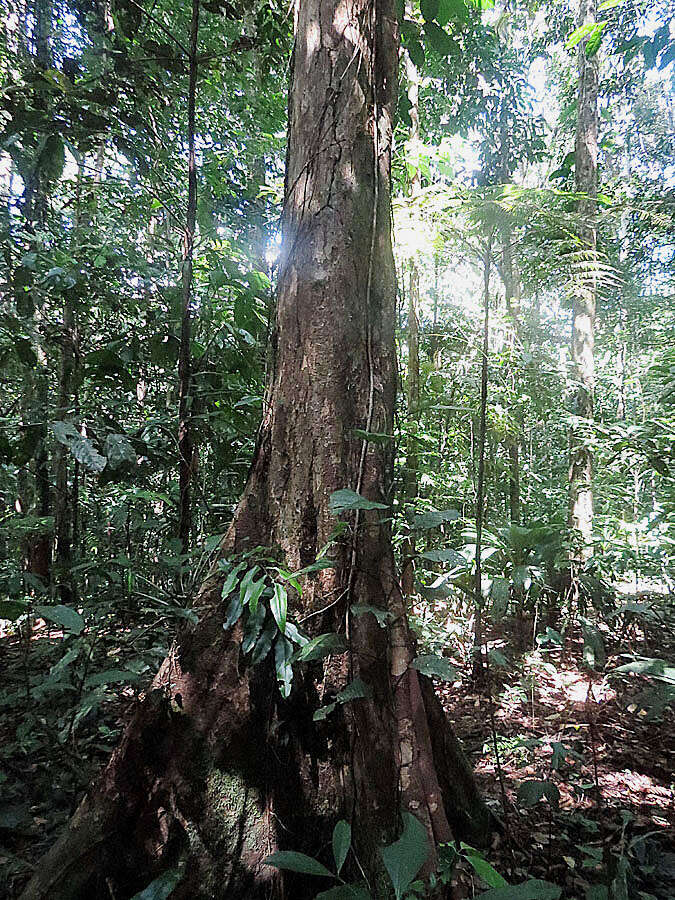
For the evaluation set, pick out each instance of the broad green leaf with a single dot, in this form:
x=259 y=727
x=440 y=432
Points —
x=451 y=9
x=448 y=555
x=68 y=618
x=297 y=862
x=321 y=646
x=246 y=583
x=342 y=839
x=375 y=437
x=264 y=645
x=161 y=887
x=234 y=611
x=405 y=857
x=436 y=666
x=429 y=9
x=110 y=676
x=253 y=592
x=81 y=448
x=657 y=668
x=323 y=712
x=119 y=451
x=294 y=635
x=383 y=616
x=283 y=653
x=355 y=690
x=531 y=792
x=317 y=566
x=483 y=868
x=528 y=890
x=594 y=647
x=434 y=517
x=345 y=892
x=346 y=501
x=499 y=592
x=13 y=609
x=252 y=628
x=439 y=39
x=231 y=580
x=279 y=606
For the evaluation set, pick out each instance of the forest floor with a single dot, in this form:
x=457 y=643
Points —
x=598 y=739
x=608 y=751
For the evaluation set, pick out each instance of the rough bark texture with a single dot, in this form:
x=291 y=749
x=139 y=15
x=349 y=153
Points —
x=215 y=770
x=583 y=324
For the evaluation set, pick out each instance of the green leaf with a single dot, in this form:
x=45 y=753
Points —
x=483 y=868
x=323 y=712
x=234 y=611
x=232 y=580
x=321 y=646
x=342 y=839
x=436 y=666
x=383 y=616
x=499 y=592
x=345 y=892
x=355 y=690
x=119 y=451
x=81 y=448
x=294 y=635
x=252 y=628
x=594 y=647
x=451 y=9
x=448 y=555
x=13 y=609
x=161 y=887
x=416 y=54
x=405 y=857
x=528 y=890
x=317 y=566
x=375 y=437
x=531 y=792
x=439 y=39
x=110 y=676
x=429 y=9
x=434 y=517
x=264 y=645
x=68 y=618
x=297 y=862
x=346 y=500
x=279 y=606
x=253 y=592
x=657 y=668
x=283 y=654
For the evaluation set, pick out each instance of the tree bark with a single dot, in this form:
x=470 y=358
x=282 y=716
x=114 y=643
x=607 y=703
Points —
x=583 y=324
x=215 y=770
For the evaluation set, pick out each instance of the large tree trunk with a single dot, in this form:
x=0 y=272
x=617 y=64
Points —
x=215 y=769
x=583 y=323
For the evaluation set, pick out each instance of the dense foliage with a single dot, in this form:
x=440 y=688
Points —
x=94 y=142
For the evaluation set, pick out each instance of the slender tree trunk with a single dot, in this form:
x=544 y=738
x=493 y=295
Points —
x=413 y=384
x=480 y=485
x=215 y=770
x=186 y=447
x=36 y=487
x=583 y=324
x=65 y=499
